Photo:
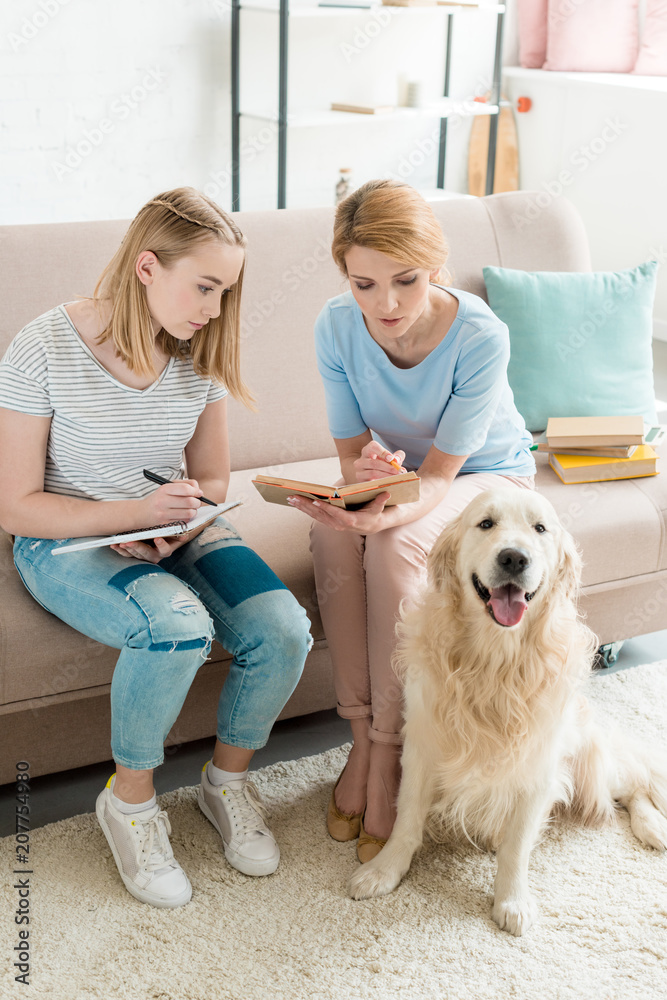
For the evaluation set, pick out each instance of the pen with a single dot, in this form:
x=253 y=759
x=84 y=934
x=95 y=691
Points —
x=153 y=476
x=392 y=461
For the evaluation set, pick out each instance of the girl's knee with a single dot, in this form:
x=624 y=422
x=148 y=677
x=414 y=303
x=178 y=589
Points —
x=171 y=615
x=294 y=632
x=290 y=642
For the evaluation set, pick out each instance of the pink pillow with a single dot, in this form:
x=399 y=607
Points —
x=532 y=16
x=652 y=59
x=597 y=36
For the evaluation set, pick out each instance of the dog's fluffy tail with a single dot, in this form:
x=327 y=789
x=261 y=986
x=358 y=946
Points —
x=609 y=770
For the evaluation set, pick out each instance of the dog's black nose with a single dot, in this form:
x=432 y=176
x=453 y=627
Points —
x=513 y=560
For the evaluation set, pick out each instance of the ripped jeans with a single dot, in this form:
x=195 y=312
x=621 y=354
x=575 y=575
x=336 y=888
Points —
x=163 y=617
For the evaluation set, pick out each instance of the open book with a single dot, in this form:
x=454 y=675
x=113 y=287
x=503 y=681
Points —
x=403 y=488
x=205 y=514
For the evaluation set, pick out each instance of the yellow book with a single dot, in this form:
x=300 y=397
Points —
x=403 y=488
x=590 y=469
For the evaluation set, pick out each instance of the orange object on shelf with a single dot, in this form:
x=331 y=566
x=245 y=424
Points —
x=524 y=104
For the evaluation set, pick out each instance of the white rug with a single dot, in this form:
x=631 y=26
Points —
x=602 y=931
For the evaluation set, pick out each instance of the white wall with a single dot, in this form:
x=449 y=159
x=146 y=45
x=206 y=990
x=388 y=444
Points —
x=107 y=102
x=600 y=140
x=135 y=87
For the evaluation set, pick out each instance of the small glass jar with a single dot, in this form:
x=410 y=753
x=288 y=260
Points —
x=344 y=184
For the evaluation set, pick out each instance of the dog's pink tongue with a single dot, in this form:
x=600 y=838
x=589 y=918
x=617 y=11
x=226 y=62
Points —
x=508 y=604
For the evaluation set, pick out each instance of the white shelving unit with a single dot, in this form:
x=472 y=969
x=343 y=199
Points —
x=436 y=109
x=444 y=109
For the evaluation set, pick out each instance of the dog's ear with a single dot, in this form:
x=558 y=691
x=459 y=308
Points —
x=442 y=558
x=568 y=574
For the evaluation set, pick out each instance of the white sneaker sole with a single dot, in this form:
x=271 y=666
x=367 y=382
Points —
x=244 y=865
x=143 y=895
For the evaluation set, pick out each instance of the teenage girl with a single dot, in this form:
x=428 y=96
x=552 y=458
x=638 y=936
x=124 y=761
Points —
x=415 y=377
x=91 y=393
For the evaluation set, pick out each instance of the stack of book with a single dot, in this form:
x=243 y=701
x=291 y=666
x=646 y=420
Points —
x=594 y=449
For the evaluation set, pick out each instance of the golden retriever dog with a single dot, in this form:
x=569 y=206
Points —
x=498 y=734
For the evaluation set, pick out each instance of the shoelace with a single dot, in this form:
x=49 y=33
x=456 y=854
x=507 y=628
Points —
x=246 y=806
x=159 y=855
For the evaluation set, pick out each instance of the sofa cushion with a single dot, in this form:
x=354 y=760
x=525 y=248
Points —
x=42 y=657
x=620 y=527
x=652 y=58
x=532 y=18
x=281 y=534
x=580 y=343
x=592 y=35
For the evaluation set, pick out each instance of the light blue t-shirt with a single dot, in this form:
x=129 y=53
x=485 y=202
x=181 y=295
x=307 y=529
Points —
x=458 y=398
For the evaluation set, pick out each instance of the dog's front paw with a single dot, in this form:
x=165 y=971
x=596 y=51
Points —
x=373 y=879
x=515 y=915
x=651 y=829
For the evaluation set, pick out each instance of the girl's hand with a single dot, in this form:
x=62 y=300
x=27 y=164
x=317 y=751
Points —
x=366 y=520
x=177 y=501
x=375 y=462
x=160 y=549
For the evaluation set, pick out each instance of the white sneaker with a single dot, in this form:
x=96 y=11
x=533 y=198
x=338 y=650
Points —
x=237 y=814
x=140 y=845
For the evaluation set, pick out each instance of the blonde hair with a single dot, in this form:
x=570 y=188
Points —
x=173 y=225
x=394 y=219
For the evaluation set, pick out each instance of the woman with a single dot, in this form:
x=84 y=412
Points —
x=415 y=377
x=91 y=393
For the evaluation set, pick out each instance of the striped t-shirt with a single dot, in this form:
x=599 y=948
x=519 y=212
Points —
x=103 y=433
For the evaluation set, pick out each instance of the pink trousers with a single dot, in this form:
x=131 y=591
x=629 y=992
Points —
x=361 y=581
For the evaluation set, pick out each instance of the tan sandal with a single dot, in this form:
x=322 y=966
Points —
x=342 y=826
x=368 y=847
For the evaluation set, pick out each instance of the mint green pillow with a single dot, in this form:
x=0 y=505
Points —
x=580 y=342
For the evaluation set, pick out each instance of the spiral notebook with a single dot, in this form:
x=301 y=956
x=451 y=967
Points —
x=206 y=514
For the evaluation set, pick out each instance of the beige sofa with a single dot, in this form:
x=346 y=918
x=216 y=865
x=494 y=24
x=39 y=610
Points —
x=54 y=682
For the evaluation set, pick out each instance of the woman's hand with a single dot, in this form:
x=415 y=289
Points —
x=375 y=462
x=364 y=520
x=160 y=549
